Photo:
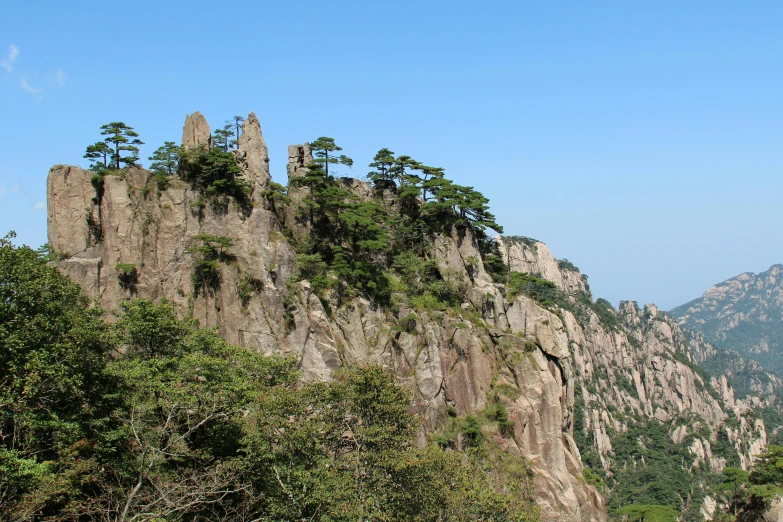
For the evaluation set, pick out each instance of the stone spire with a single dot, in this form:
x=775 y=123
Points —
x=299 y=157
x=196 y=132
x=254 y=154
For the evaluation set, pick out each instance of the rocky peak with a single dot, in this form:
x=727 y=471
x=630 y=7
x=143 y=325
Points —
x=524 y=254
x=253 y=154
x=744 y=313
x=196 y=132
x=299 y=157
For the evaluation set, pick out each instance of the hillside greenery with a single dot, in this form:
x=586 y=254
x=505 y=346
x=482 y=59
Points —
x=148 y=417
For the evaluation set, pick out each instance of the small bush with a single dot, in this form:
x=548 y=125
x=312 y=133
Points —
x=127 y=276
x=248 y=287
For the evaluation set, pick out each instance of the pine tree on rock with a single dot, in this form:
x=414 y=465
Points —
x=222 y=137
x=124 y=139
x=237 y=122
x=321 y=149
x=382 y=163
x=99 y=155
x=166 y=158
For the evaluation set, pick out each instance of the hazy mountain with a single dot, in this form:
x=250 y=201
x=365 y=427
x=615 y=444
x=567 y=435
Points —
x=744 y=314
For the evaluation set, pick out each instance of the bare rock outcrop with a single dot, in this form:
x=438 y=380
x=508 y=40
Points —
x=254 y=154
x=196 y=132
x=299 y=157
x=529 y=255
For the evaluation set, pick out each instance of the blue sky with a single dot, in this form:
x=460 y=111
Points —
x=642 y=141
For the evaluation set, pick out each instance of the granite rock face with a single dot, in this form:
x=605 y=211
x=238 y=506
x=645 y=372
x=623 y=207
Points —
x=254 y=154
x=535 y=360
x=196 y=132
x=528 y=255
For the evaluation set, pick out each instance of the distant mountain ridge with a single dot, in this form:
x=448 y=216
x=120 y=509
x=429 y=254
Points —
x=744 y=314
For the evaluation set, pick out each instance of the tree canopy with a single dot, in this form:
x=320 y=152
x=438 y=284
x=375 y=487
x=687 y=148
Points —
x=124 y=139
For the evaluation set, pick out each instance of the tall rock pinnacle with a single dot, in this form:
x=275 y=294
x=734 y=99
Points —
x=299 y=157
x=196 y=131
x=255 y=153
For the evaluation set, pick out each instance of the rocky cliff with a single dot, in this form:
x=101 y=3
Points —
x=570 y=372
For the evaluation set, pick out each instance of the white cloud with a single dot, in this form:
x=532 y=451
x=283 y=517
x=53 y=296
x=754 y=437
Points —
x=8 y=63
x=60 y=78
x=17 y=188
x=39 y=205
x=3 y=191
x=27 y=87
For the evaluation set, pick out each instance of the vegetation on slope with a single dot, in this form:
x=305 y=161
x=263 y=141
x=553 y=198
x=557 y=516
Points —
x=150 y=418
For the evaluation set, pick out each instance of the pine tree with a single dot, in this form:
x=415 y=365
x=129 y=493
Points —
x=99 y=155
x=382 y=163
x=237 y=122
x=166 y=158
x=222 y=137
x=123 y=138
x=321 y=149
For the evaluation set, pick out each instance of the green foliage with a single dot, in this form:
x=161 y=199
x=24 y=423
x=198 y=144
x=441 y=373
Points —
x=165 y=162
x=645 y=513
x=407 y=324
x=99 y=155
x=594 y=479
x=356 y=238
x=540 y=290
x=146 y=329
x=565 y=264
x=127 y=275
x=277 y=197
x=650 y=469
x=124 y=139
x=154 y=419
x=749 y=495
x=47 y=253
x=348 y=454
x=499 y=414
x=209 y=251
x=214 y=172
x=248 y=287
x=383 y=162
x=321 y=149
x=221 y=138
x=53 y=351
x=496 y=267
x=606 y=313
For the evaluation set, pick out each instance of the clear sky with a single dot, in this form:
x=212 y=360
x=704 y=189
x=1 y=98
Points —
x=641 y=140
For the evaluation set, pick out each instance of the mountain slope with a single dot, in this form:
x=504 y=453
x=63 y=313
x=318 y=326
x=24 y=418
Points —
x=744 y=313
x=505 y=335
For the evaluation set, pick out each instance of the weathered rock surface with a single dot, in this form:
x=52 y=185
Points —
x=254 y=154
x=196 y=132
x=528 y=255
